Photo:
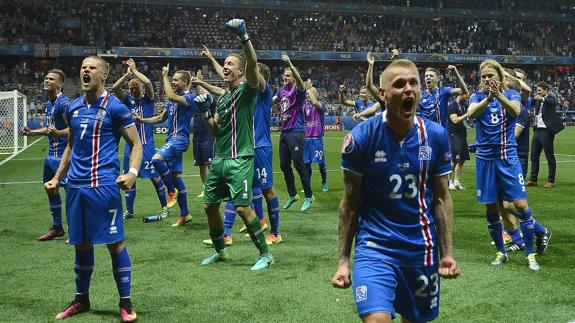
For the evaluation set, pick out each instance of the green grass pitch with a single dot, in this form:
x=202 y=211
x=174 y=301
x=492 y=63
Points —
x=37 y=279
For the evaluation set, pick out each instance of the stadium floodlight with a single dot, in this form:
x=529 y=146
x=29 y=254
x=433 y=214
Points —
x=13 y=116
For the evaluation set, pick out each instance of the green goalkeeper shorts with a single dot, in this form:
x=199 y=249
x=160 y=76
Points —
x=230 y=180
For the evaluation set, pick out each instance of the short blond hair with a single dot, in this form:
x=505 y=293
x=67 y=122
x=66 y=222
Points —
x=405 y=63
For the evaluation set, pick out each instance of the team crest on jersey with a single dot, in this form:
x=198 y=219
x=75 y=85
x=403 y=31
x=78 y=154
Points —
x=101 y=114
x=424 y=153
x=348 y=143
x=360 y=293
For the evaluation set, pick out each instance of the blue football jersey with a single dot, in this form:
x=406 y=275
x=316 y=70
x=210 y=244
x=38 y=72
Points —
x=262 y=118
x=180 y=116
x=495 y=128
x=396 y=218
x=53 y=116
x=96 y=133
x=201 y=131
x=144 y=108
x=361 y=106
x=433 y=106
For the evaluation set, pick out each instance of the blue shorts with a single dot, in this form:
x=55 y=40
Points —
x=51 y=165
x=500 y=180
x=94 y=215
x=313 y=151
x=263 y=170
x=147 y=170
x=172 y=152
x=203 y=152
x=379 y=286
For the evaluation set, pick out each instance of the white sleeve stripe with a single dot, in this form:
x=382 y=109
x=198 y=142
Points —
x=352 y=171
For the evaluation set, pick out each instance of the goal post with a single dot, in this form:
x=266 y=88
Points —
x=13 y=117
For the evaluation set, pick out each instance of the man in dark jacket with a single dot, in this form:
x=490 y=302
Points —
x=546 y=125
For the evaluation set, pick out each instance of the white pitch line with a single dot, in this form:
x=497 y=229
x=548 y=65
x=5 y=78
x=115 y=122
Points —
x=9 y=158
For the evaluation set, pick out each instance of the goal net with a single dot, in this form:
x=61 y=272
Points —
x=13 y=116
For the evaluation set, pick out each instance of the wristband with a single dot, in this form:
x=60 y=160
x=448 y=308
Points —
x=133 y=171
x=245 y=40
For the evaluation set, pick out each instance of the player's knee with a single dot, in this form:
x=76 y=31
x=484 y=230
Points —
x=492 y=208
x=521 y=205
x=211 y=209
x=83 y=247
x=508 y=208
x=269 y=193
x=377 y=317
x=116 y=248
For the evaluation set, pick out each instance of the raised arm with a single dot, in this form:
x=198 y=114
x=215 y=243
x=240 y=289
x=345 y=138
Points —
x=170 y=94
x=369 y=77
x=238 y=27
x=298 y=80
x=312 y=97
x=207 y=54
x=347 y=227
x=117 y=87
x=342 y=97
x=148 y=87
x=214 y=90
x=462 y=89
x=367 y=112
x=443 y=209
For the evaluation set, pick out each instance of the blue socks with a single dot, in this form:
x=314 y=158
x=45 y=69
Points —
x=164 y=172
x=130 y=198
x=258 y=202
x=83 y=268
x=161 y=191
x=122 y=269
x=182 y=195
x=495 y=230
x=229 y=219
x=274 y=214
x=56 y=211
x=539 y=229
x=516 y=236
x=323 y=172
x=526 y=224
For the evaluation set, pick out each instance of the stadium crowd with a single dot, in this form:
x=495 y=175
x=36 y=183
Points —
x=26 y=76
x=187 y=27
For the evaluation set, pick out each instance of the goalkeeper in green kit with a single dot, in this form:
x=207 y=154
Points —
x=232 y=171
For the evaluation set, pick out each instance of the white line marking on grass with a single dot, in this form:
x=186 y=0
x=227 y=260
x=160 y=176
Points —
x=9 y=158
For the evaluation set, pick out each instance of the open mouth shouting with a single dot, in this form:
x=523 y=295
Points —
x=407 y=105
x=86 y=78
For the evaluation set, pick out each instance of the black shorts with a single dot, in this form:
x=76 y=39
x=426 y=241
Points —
x=459 y=149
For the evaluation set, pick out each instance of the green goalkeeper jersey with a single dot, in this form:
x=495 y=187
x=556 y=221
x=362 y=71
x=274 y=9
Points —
x=235 y=135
